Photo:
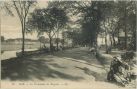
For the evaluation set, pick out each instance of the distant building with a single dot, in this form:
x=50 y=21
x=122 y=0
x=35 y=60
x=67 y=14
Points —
x=122 y=39
x=101 y=40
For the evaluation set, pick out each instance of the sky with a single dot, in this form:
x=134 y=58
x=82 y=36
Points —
x=11 y=27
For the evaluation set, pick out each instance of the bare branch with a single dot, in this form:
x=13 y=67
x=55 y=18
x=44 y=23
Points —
x=18 y=12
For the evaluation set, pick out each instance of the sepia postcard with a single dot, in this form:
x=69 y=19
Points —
x=62 y=44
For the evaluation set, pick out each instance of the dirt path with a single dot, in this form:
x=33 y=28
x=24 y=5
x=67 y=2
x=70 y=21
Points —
x=74 y=67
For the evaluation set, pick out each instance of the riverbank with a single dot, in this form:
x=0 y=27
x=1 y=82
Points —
x=15 y=47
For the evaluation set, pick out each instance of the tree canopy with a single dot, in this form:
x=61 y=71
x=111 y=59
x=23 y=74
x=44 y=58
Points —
x=48 y=20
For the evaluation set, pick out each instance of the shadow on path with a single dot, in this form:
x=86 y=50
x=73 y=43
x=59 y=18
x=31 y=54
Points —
x=98 y=76
x=75 y=54
x=80 y=56
x=28 y=69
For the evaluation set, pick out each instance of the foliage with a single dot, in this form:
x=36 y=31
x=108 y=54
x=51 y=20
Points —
x=48 y=21
x=126 y=21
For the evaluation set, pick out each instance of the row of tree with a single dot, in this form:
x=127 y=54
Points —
x=93 y=18
x=106 y=18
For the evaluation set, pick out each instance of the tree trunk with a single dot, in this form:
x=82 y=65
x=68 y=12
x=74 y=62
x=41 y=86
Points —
x=96 y=42
x=57 y=44
x=23 y=37
x=23 y=46
x=102 y=40
x=111 y=41
x=106 y=37
x=118 y=44
x=57 y=40
x=114 y=41
x=106 y=44
x=125 y=28
x=63 y=42
x=125 y=39
x=40 y=45
x=51 y=46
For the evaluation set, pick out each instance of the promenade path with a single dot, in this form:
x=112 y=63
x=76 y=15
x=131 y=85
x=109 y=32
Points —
x=69 y=69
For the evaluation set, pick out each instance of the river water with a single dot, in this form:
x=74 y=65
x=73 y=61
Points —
x=11 y=54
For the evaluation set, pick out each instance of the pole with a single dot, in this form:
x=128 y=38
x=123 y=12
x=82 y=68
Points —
x=0 y=46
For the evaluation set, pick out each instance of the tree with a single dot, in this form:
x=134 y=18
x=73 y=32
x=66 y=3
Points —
x=119 y=19
x=92 y=17
x=22 y=8
x=132 y=25
x=50 y=21
x=126 y=19
x=41 y=21
x=75 y=36
x=42 y=40
x=60 y=21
